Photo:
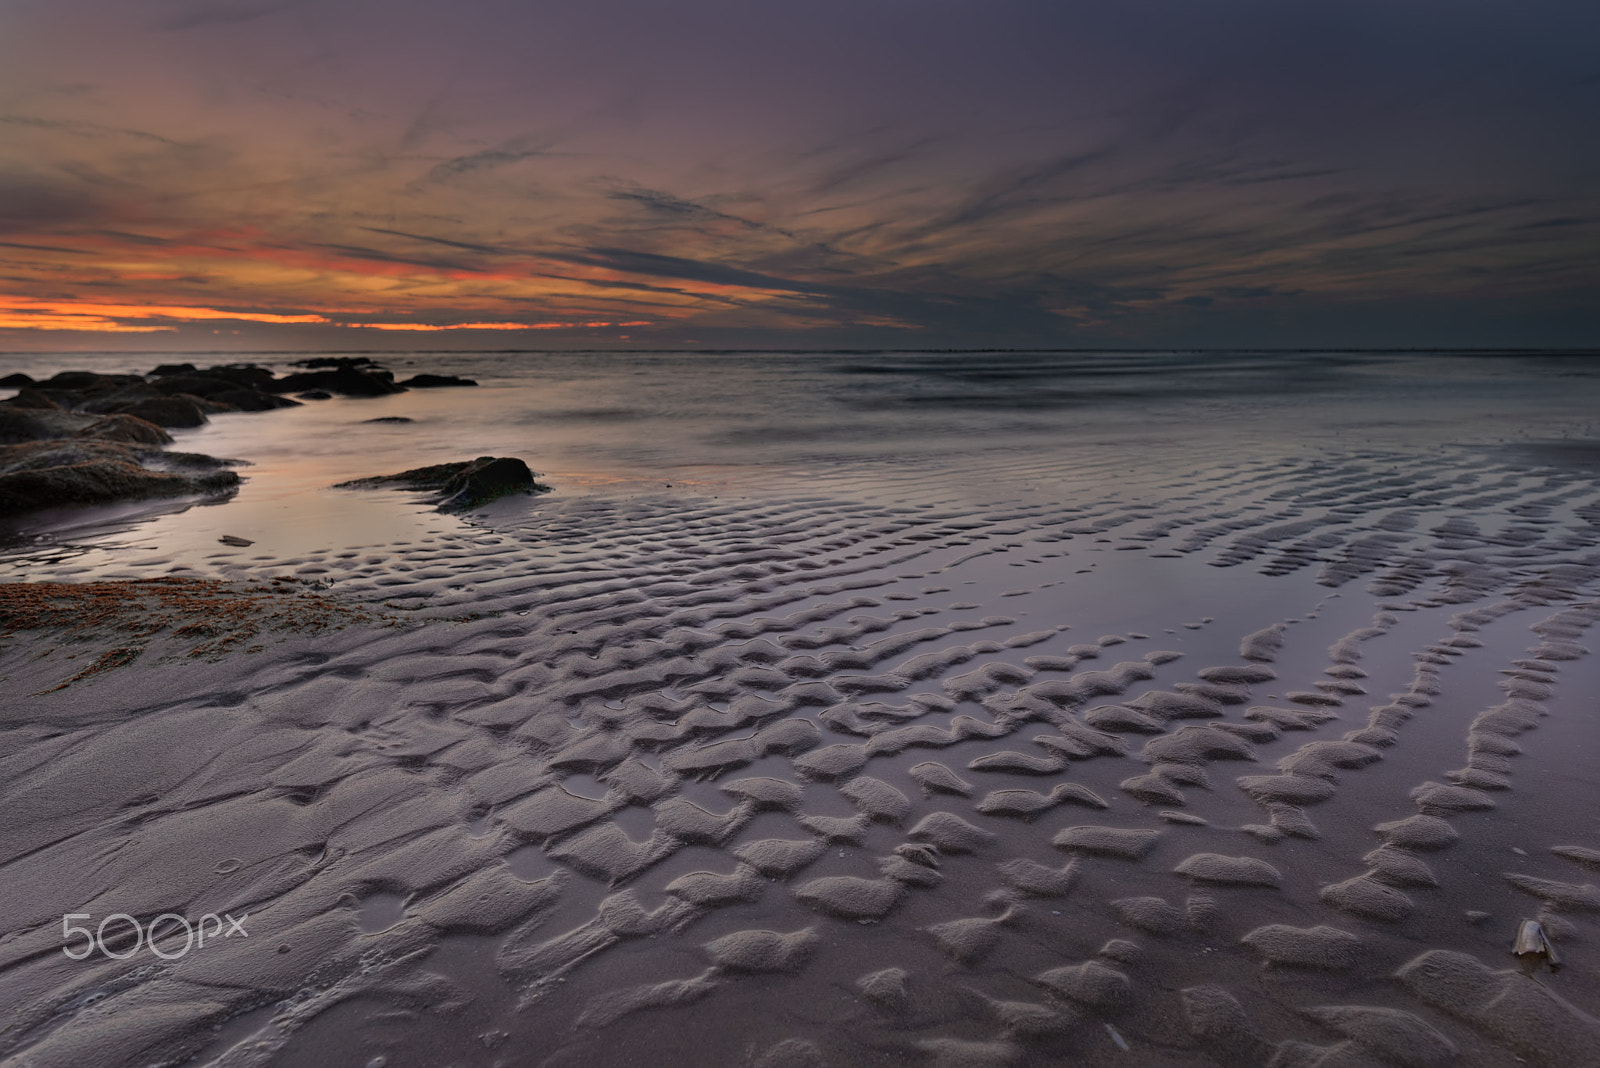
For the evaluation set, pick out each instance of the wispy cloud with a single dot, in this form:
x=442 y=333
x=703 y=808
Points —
x=194 y=16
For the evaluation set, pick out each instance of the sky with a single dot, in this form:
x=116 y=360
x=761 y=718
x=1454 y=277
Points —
x=250 y=175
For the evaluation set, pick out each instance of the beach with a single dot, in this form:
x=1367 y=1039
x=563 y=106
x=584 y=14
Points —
x=829 y=709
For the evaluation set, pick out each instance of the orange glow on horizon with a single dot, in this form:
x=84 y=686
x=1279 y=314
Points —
x=21 y=313
x=488 y=326
x=17 y=311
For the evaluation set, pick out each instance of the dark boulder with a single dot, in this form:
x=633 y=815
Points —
x=89 y=382
x=20 y=424
x=33 y=398
x=461 y=486
x=119 y=399
x=315 y=394
x=126 y=428
x=16 y=381
x=83 y=472
x=62 y=398
x=346 y=380
x=436 y=381
x=336 y=361
x=173 y=369
x=198 y=385
x=168 y=411
x=485 y=479
x=243 y=375
x=252 y=400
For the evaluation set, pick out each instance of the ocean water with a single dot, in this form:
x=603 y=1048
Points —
x=972 y=424
x=847 y=708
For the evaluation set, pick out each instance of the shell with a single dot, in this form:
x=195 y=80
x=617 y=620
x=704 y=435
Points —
x=1532 y=941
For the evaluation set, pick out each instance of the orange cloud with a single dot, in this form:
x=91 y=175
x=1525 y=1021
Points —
x=25 y=314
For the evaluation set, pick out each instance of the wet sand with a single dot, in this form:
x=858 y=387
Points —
x=1253 y=760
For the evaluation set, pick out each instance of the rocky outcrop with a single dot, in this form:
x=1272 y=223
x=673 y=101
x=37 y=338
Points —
x=88 y=470
x=82 y=437
x=355 y=376
x=436 y=381
x=458 y=487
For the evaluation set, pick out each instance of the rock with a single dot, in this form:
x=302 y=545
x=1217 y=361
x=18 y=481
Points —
x=19 y=425
x=345 y=379
x=315 y=394
x=460 y=486
x=33 y=398
x=196 y=385
x=83 y=472
x=176 y=411
x=126 y=428
x=436 y=381
x=88 y=382
x=113 y=400
x=16 y=381
x=253 y=400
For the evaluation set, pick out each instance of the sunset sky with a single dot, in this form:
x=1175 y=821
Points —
x=193 y=175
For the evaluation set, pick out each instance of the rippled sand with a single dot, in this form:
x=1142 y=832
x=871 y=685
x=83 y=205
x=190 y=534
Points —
x=1242 y=762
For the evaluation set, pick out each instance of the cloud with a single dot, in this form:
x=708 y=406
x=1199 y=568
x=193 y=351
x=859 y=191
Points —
x=43 y=248
x=514 y=151
x=362 y=253
x=467 y=245
x=672 y=206
x=30 y=203
x=200 y=16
